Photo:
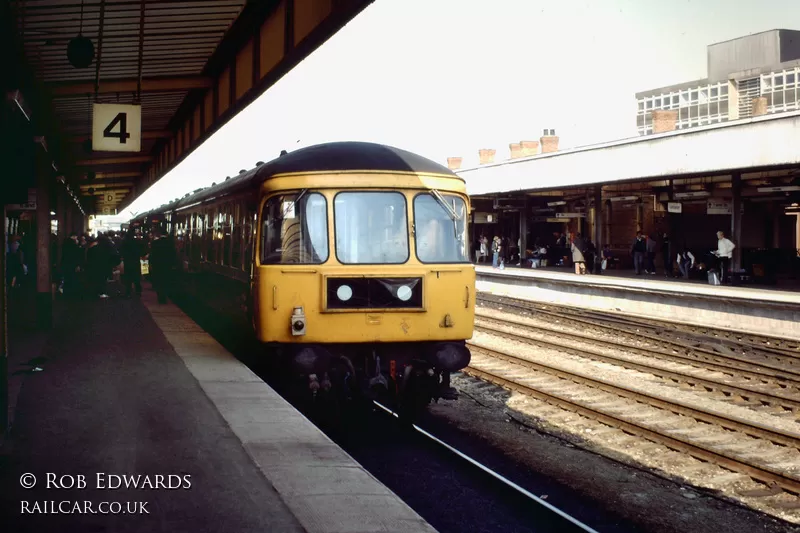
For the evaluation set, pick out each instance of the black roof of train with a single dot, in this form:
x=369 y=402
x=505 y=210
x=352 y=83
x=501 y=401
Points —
x=328 y=157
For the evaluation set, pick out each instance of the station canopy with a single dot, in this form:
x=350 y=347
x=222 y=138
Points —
x=187 y=67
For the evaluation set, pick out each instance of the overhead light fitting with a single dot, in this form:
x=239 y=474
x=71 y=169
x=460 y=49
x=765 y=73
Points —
x=16 y=97
x=561 y=202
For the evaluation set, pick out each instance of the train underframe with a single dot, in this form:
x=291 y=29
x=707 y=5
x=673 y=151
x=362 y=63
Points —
x=407 y=375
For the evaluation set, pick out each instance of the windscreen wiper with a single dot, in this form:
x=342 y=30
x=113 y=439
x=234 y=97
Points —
x=449 y=210
x=293 y=203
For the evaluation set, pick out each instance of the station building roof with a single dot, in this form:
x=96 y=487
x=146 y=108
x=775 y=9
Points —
x=191 y=64
x=761 y=143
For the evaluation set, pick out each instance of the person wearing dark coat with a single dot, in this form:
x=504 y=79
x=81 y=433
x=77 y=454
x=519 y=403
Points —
x=71 y=262
x=162 y=261
x=132 y=252
x=97 y=261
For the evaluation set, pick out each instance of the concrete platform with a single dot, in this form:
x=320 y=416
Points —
x=131 y=387
x=759 y=311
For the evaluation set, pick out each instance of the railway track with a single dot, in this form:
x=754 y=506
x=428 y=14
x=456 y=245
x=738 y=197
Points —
x=766 y=454
x=782 y=355
x=571 y=522
x=758 y=388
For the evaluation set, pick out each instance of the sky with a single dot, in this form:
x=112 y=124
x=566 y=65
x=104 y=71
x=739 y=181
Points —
x=446 y=78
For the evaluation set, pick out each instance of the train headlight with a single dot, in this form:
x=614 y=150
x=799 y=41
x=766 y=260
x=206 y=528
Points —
x=344 y=292
x=404 y=293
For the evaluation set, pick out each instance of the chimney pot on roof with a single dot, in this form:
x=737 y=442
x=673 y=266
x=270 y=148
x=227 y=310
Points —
x=759 y=106
x=664 y=120
x=549 y=141
x=486 y=155
x=454 y=163
x=529 y=148
x=516 y=150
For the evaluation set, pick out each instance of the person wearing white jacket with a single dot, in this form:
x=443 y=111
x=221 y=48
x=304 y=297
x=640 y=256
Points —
x=724 y=252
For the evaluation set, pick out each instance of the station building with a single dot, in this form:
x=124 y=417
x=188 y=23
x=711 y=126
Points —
x=738 y=176
x=747 y=76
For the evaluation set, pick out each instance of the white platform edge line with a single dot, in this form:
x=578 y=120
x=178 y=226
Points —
x=285 y=498
x=656 y=286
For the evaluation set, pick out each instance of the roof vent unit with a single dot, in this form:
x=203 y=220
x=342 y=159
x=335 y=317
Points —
x=242 y=172
x=227 y=178
x=259 y=163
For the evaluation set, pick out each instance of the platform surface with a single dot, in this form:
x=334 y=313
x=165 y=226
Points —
x=650 y=283
x=135 y=388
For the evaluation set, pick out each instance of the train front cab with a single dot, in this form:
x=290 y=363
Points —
x=373 y=267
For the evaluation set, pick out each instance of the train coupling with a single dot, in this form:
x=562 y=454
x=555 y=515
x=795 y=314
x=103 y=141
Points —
x=379 y=380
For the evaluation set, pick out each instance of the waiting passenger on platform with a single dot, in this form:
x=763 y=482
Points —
x=71 y=262
x=638 y=251
x=724 y=252
x=15 y=263
x=579 y=248
x=484 y=248
x=132 y=252
x=652 y=246
x=497 y=248
x=685 y=262
x=666 y=253
x=97 y=268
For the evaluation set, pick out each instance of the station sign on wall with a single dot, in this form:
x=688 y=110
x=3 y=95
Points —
x=719 y=206
x=484 y=218
x=674 y=207
x=570 y=215
x=30 y=205
x=117 y=128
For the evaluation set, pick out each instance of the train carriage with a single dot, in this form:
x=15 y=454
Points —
x=352 y=259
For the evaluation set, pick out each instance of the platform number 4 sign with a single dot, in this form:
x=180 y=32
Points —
x=117 y=128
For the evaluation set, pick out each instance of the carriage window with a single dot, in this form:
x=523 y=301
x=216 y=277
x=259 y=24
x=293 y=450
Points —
x=440 y=232
x=294 y=231
x=371 y=227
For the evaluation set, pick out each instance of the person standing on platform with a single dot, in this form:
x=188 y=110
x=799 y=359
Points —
x=652 y=246
x=162 y=259
x=97 y=260
x=724 y=252
x=578 y=250
x=132 y=252
x=496 y=249
x=666 y=253
x=685 y=262
x=638 y=251
x=71 y=261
